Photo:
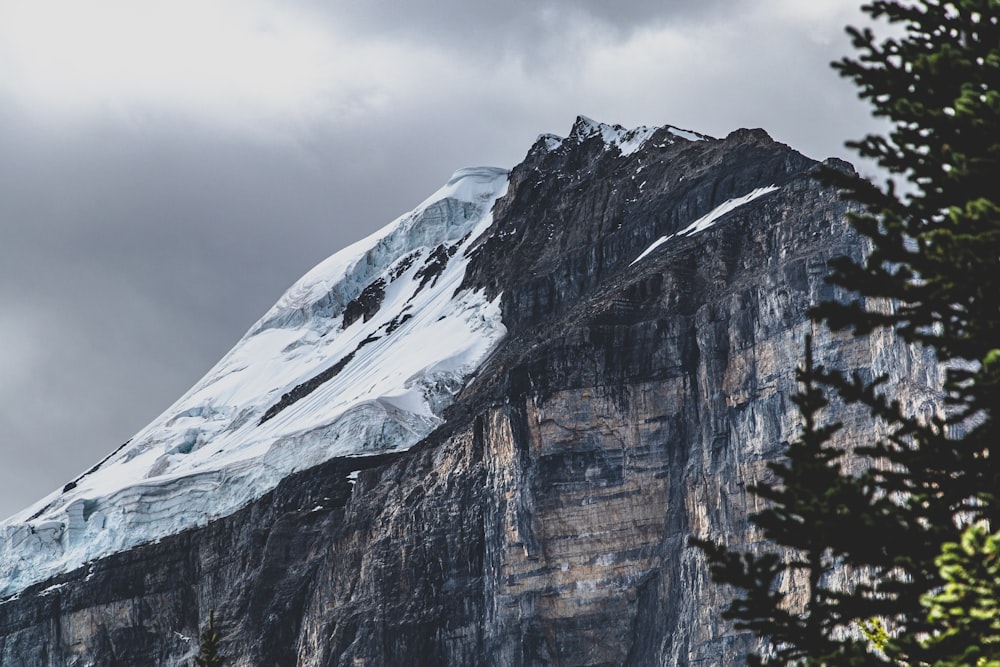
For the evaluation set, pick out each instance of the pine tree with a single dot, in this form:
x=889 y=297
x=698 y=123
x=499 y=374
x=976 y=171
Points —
x=935 y=250
x=936 y=259
x=209 y=656
x=965 y=611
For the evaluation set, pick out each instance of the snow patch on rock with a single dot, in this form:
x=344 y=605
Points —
x=709 y=219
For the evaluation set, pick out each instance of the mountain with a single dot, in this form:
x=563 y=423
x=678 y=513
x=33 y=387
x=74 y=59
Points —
x=481 y=436
x=359 y=356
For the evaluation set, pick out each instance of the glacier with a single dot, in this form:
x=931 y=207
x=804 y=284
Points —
x=360 y=356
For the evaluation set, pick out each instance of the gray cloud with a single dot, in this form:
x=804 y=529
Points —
x=509 y=24
x=541 y=34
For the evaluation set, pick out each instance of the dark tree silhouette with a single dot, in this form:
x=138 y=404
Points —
x=209 y=654
x=899 y=533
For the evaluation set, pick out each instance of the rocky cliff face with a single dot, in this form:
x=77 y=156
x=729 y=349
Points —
x=632 y=401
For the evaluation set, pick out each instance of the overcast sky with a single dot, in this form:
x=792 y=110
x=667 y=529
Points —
x=168 y=168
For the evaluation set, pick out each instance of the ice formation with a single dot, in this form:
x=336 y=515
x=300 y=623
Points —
x=360 y=356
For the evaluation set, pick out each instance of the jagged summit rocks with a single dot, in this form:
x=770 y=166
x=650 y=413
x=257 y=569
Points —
x=481 y=436
x=615 y=136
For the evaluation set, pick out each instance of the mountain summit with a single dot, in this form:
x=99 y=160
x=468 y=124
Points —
x=482 y=435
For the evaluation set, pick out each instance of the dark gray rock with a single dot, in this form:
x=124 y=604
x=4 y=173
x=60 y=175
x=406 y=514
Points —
x=546 y=521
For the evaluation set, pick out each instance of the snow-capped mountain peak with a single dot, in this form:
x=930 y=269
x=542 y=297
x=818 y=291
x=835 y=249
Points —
x=359 y=356
x=625 y=140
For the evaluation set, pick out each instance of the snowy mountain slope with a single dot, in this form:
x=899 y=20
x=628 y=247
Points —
x=359 y=356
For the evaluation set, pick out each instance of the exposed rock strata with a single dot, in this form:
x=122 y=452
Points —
x=546 y=521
